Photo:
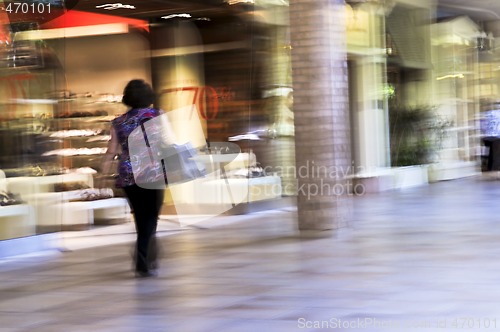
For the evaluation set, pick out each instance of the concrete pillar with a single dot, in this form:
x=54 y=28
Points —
x=321 y=107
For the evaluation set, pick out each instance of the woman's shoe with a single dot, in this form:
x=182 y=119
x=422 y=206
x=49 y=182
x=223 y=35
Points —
x=145 y=274
x=153 y=265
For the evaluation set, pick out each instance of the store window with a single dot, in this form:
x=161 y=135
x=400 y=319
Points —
x=62 y=79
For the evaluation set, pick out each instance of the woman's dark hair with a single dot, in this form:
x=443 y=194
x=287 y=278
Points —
x=138 y=94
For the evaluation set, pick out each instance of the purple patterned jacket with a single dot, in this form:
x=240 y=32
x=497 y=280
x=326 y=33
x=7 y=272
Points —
x=124 y=125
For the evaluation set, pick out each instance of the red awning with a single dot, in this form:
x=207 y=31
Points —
x=74 y=18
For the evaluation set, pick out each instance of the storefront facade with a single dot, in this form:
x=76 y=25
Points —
x=298 y=113
x=229 y=73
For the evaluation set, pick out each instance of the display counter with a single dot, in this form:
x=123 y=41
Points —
x=67 y=210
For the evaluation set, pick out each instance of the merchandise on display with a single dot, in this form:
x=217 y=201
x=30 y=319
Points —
x=8 y=198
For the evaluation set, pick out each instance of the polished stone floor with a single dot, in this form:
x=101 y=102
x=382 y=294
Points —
x=421 y=259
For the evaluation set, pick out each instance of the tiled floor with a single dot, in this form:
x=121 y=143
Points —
x=423 y=259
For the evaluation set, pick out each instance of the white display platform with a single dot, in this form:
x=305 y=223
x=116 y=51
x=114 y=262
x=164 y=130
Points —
x=55 y=210
x=16 y=221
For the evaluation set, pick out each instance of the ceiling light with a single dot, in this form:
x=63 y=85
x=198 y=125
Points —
x=234 y=2
x=113 y=6
x=450 y=76
x=176 y=15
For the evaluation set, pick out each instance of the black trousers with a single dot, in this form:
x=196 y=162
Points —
x=145 y=205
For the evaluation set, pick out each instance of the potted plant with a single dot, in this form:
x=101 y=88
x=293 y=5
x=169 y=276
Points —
x=416 y=134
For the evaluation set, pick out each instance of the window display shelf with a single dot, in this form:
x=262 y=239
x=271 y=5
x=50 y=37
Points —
x=66 y=209
x=14 y=210
x=16 y=221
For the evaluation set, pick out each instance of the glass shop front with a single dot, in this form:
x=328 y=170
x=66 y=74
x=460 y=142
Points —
x=221 y=71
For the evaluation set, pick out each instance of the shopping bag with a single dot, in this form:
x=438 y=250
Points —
x=156 y=164
x=180 y=163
